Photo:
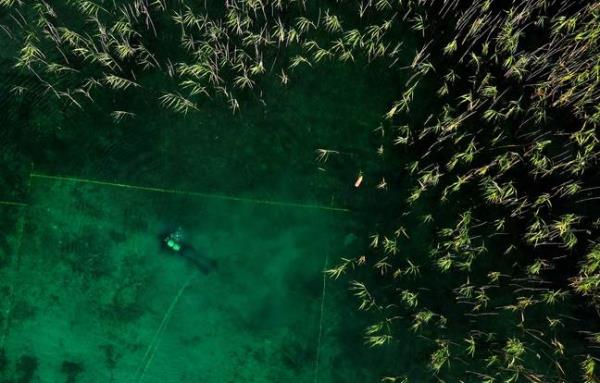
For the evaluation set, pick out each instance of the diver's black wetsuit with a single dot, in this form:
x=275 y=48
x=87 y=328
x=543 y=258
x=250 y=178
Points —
x=203 y=263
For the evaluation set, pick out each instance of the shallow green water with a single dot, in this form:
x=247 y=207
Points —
x=92 y=296
x=92 y=285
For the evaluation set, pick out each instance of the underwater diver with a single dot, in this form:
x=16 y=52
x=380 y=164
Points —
x=174 y=243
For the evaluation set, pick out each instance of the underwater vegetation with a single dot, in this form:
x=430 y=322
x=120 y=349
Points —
x=485 y=168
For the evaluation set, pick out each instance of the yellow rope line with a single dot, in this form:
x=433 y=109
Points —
x=188 y=193
x=322 y=309
x=11 y=203
x=153 y=346
x=321 y=312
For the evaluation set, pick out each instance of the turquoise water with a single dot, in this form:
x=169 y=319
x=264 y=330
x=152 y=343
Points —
x=93 y=286
x=91 y=293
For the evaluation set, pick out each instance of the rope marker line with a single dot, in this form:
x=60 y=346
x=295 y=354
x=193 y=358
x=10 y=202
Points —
x=13 y=203
x=188 y=193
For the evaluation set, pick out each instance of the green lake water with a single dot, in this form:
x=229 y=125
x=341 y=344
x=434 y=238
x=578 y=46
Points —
x=365 y=191
x=90 y=293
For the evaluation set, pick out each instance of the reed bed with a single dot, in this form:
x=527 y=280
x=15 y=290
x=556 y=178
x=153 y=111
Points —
x=491 y=257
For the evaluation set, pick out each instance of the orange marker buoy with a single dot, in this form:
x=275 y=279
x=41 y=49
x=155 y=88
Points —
x=358 y=181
